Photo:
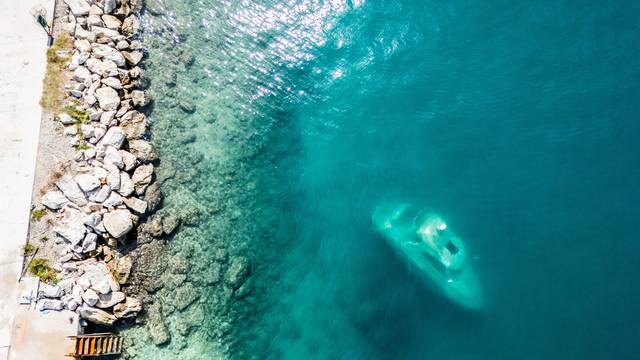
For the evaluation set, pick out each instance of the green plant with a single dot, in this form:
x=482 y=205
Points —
x=28 y=249
x=40 y=268
x=80 y=116
x=44 y=239
x=38 y=214
x=83 y=146
x=53 y=92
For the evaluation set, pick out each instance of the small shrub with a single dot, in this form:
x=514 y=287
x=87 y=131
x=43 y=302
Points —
x=38 y=214
x=40 y=268
x=28 y=249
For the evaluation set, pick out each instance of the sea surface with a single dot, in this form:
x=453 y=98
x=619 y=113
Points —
x=282 y=124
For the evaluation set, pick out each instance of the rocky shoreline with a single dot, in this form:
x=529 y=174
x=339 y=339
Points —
x=96 y=206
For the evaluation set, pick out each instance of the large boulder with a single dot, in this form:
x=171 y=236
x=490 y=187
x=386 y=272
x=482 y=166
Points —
x=140 y=98
x=142 y=175
x=71 y=190
x=54 y=199
x=96 y=316
x=126 y=185
x=136 y=205
x=113 y=137
x=118 y=222
x=143 y=150
x=102 y=51
x=87 y=182
x=90 y=297
x=130 y=25
x=107 y=98
x=106 y=301
x=134 y=124
x=133 y=57
x=153 y=196
x=103 y=68
x=78 y=7
x=131 y=307
x=71 y=227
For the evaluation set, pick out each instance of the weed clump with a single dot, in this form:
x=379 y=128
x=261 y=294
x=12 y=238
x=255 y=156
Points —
x=38 y=214
x=28 y=249
x=58 y=56
x=40 y=268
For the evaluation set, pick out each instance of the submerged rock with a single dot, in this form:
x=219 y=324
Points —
x=155 y=324
x=238 y=272
x=185 y=295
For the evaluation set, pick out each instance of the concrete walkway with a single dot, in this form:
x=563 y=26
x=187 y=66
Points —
x=22 y=68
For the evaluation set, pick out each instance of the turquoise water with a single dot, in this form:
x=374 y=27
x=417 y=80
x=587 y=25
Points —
x=516 y=121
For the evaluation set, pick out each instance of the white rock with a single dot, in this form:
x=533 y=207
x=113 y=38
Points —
x=113 y=157
x=54 y=199
x=114 y=199
x=78 y=7
x=83 y=45
x=66 y=119
x=94 y=20
x=106 y=117
x=108 y=300
x=114 y=136
x=89 y=243
x=82 y=74
x=136 y=205
x=110 y=34
x=129 y=160
x=107 y=98
x=126 y=185
x=101 y=194
x=112 y=82
x=71 y=190
x=70 y=131
x=140 y=98
x=83 y=283
x=72 y=304
x=71 y=227
x=50 y=304
x=98 y=273
x=90 y=297
x=95 y=10
x=127 y=309
x=50 y=291
x=112 y=22
x=143 y=150
x=87 y=182
x=81 y=33
x=142 y=175
x=87 y=131
x=102 y=51
x=122 y=44
x=118 y=222
x=133 y=57
x=92 y=220
x=113 y=178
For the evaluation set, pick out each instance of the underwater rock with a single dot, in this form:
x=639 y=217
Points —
x=169 y=222
x=153 y=196
x=156 y=325
x=187 y=106
x=185 y=295
x=123 y=269
x=238 y=272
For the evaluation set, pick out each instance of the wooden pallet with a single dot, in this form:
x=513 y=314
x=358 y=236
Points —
x=91 y=345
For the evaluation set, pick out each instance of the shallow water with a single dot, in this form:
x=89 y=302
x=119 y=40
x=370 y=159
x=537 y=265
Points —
x=516 y=121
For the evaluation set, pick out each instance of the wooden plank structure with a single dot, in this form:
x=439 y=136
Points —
x=92 y=345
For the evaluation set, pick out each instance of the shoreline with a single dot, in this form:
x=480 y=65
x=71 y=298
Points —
x=94 y=192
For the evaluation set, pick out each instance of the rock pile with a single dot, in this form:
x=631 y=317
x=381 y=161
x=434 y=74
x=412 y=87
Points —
x=107 y=192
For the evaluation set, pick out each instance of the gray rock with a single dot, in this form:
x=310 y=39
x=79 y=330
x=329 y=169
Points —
x=140 y=98
x=66 y=119
x=77 y=293
x=101 y=194
x=71 y=190
x=153 y=227
x=94 y=20
x=130 y=308
x=96 y=316
x=87 y=182
x=114 y=137
x=83 y=45
x=132 y=57
x=238 y=272
x=128 y=159
x=71 y=227
x=113 y=200
x=82 y=74
x=106 y=301
x=109 y=6
x=142 y=175
x=126 y=185
x=136 y=205
x=50 y=304
x=113 y=177
x=54 y=199
x=90 y=297
x=113 y=157
x=81 y=33
x=103 y=68
x=112 y=82
x=118 y=222
x=143 y=150
x=67 y=284
x=156 y=325
x=107 y=35
x=89 y=243
x=123 y=269
x=71 y=304
x=92 y=220
x=102 y=51
x=50 y=291
x=100 y=278
x=95 y=10
x=107 y=98
x=78 y=7
x=106 y=117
